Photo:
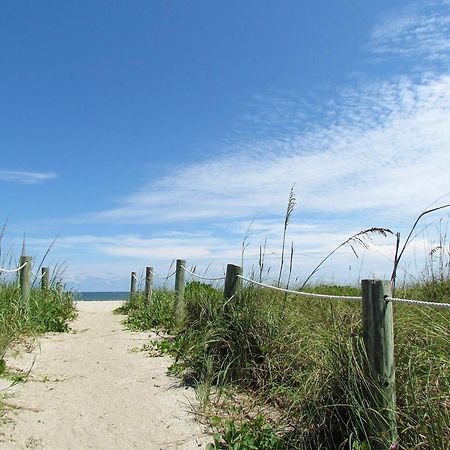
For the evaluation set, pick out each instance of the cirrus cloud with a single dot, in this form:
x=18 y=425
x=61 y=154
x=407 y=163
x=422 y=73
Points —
x=23 y=177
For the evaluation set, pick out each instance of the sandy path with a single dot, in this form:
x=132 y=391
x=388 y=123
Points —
x=88 y=390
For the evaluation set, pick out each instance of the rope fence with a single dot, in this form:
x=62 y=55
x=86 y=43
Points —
x=25 y=274
x=345 y=297
x=17 y=269
x=181 y=270
x=377 y=323
x=301 y=293
x=133 y=274
x=38 y=276
x=200 y=277
x=158 y=277
x=377 y=315
x=418 y=302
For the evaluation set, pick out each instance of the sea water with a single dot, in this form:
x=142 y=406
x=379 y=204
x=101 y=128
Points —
x=101 y=296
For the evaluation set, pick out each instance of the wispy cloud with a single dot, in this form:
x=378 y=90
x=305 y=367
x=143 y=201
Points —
x=421 y=32
x=378 y=148
x=374 y=154
x=385 y=152
x=21 y=177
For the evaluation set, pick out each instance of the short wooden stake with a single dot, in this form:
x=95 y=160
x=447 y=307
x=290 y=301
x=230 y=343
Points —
x=179 y=289
x=133 y=284
x=232 y=282
x=44 y=278
x=25 y=280
x=148 y=285
x=378 y=332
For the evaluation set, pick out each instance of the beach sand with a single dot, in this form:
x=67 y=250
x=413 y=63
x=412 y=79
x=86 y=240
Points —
x=92 y=389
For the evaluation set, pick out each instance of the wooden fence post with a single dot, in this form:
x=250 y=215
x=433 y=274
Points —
x=25 y=280
x=179 y=289
x=378 y=332
x=232 y=282
x=133 y=287
x=44 y=279
x=148 y=285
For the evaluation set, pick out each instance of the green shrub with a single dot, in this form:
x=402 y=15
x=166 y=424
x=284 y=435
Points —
x=254 y=434
x=46 y=311
x=306 y=358
x=159 y=312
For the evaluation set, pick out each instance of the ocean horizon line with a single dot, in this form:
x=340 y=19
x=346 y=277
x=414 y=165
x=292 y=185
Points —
x=102 y=295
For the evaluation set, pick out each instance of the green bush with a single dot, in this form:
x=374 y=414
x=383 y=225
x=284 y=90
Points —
x=48 y=310
x=159 y=312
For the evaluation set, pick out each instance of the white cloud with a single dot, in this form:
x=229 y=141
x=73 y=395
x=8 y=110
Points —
x=421 y=32
x=387 y=153
x=382 y=147
x=374 y=155
x=112 y=258
x=135 y=247
x=21 y=177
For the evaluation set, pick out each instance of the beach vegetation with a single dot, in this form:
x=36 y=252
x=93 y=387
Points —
x=305 y=359
x=275 y=370
x=46 y=310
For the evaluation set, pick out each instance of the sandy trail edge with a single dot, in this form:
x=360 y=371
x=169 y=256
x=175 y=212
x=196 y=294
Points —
x=88 y=390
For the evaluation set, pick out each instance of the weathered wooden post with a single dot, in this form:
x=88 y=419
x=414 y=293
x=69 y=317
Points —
x=232 y=282
x=25 y=280
x=44 y=278
x=179 y=289
x=148 y=285
x=378 y=332
x=133 y=287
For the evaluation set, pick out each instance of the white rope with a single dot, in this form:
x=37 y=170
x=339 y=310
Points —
x=136 y=278
x=38 y=276
x=163 y=278
x=418 y=302
x=14 y=270
x=303 y=294
x=342 y=297
x=203 y=278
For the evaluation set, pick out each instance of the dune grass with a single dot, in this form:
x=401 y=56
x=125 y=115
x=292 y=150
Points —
x=275 y=371
x=48 y=310
x=305 y=359
x=158 y=314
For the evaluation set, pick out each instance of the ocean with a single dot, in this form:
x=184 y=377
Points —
x=101 y=296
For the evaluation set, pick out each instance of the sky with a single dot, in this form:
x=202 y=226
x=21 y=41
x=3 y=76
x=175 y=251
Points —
x=136 y=133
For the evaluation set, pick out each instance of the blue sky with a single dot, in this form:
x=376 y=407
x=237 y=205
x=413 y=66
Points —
x=139 y=132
